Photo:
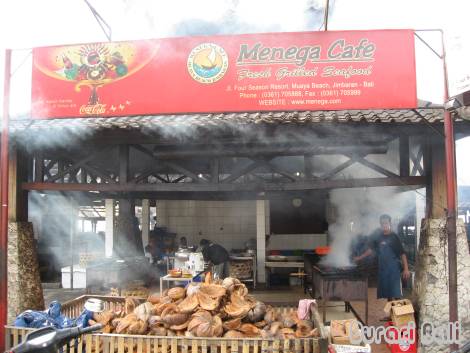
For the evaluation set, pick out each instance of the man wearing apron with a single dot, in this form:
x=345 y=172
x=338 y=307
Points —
x=391 y=258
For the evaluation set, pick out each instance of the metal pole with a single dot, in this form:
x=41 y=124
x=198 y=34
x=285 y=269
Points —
x=325 y=20
x=4 y=201
x=72 y=231
x=451 y=202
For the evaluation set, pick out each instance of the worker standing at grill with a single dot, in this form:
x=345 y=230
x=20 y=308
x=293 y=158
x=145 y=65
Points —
x=393 y=264
x=217 y=256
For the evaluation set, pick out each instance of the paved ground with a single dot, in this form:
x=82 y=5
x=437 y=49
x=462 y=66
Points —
x=376 y=313
x=279 y=296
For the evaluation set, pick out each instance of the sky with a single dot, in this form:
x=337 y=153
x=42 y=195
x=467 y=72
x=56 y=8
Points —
x=30 y=23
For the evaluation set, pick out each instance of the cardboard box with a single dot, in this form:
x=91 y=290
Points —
x=401 y=312
x=340 y=331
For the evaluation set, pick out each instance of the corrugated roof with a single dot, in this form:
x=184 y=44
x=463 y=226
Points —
x=219 y=120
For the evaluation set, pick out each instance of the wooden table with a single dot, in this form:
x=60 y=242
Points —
x=299 y=265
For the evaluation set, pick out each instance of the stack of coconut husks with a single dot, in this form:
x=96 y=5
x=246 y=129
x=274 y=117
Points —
x=219 y=309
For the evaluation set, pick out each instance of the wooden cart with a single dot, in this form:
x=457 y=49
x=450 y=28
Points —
x=114 y=343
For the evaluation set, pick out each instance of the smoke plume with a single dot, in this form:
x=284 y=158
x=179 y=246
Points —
x=52 y=217
x=357 y=212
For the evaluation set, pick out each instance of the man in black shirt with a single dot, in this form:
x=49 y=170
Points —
x=217 y=256
x=391 y=258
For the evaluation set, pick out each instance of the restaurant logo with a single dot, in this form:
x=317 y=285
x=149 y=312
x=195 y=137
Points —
x=207 y=63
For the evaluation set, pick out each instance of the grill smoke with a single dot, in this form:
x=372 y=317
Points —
x=357 y=212
x=52 y=217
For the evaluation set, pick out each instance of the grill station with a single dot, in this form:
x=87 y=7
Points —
x=112 y=273
x=341 y=284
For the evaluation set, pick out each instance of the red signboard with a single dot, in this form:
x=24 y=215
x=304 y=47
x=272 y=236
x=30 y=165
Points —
x=240 y=73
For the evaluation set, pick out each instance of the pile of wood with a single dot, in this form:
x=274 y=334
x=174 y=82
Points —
x=219 y=309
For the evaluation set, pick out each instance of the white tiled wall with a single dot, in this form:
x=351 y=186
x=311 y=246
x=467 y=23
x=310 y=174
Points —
x=228 y=223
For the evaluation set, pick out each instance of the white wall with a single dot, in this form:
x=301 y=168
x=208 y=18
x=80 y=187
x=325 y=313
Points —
x=231 y=224
x=228 y=223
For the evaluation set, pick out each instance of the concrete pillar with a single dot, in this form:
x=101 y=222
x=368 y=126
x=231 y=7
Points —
x=73 y=231
x=261 y=239
x=431 y=294
x=145 y=221
x=109 y=237
x=267 y=216
x=128 y=242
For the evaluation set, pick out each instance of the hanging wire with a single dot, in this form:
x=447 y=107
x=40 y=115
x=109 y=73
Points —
x=428 y=45
x=324 y=23
x=21 y=63
x=321 y=26
x=325 y=19
x=102 y=23
x=440 y=133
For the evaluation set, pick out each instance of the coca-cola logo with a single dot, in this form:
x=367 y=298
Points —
x=93 y=109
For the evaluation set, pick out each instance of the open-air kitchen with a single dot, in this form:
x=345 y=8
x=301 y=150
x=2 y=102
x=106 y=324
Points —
x=241 y=220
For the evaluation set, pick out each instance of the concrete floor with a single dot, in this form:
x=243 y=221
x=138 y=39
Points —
x=280 y=296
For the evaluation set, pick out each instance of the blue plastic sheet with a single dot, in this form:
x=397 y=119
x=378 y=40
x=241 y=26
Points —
x=83 y=318
x=33 y=319
x=52 y=317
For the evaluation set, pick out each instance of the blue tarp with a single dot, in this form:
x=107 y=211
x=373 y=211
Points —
x=52 y=317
